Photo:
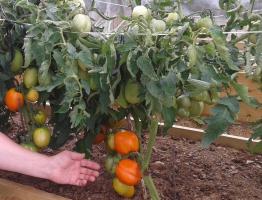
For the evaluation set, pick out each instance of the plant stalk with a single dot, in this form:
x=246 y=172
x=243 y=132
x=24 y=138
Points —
x=153 y=127
x=151 y=188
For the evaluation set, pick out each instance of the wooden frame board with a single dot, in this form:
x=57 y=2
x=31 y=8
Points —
x=14 y=191
x=236 y=142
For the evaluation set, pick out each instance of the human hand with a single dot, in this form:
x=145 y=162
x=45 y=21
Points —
x=71 y=168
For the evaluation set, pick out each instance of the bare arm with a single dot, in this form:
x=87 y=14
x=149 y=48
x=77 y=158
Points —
x=64 y=168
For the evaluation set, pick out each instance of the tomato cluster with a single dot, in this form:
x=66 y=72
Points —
x=192 y=105
x=127 y=171
x=23 y=99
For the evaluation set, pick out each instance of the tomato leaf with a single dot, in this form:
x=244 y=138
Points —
x=242 y=91
x=145 y=65
x=220 y=42
x=224 y=114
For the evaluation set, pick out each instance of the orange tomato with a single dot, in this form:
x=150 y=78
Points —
x=128 y=172
x=126 y=142
x=14 y=100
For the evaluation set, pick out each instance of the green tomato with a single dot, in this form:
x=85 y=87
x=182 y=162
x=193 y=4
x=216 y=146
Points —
x=183 y=101
x=158 y=26
x=196 y=108
x=253 y=38
x=30 y=146
x=140 y=11
x=111 y=163
x=132 y=92
x=17 y=61
x=172 y=17
x=81 y=23
x=40 y=117
x=30 y=77
x=205 y=22
x=183 y=112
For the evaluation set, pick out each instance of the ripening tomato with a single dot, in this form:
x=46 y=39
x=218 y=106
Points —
x=14 y=100
x=40 y=117
x=101 y=136
x=111 y=141
x=41 y=137
x=32 y=95
x=128 y=172
x=126 y=142
x=123 y=189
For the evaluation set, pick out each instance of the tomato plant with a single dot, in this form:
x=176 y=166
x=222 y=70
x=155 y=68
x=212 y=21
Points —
x=91 y=79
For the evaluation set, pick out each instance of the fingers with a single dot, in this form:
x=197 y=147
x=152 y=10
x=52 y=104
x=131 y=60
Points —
x=90 y=172
x=81 y=183
x=76 y=156
x=87 y=177
x=90 y=164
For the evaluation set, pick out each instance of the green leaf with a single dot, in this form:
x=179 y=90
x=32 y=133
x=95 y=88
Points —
x=85 y=56
x=217 y=125
x=131 y=63
x=259 y=50
x=231 y=103
x=242 y=91
x=220 y=42
x=78 y=116
x=62 y=130
x=58 y=56
x=169 y=116
x=145 y=65
x=109 y=51
x=224 y=114
x=168 y=84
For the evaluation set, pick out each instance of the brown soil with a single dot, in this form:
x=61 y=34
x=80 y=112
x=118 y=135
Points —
x=181 y=169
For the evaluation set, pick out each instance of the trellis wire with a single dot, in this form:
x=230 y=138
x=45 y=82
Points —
x=110 y=3
x=155 y=34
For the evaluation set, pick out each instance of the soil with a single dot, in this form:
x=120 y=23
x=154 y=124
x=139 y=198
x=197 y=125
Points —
x=181 y=170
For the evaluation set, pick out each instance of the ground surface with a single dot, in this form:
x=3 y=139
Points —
x=181 y=169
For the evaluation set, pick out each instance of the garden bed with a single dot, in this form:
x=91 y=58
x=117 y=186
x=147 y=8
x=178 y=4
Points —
x=180 y=168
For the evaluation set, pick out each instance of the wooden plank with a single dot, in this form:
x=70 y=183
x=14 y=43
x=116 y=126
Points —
x=232 y=141
x=15 y=191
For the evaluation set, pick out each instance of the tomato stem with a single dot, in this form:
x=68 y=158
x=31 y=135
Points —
x=153 y=127
x=151 y=188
